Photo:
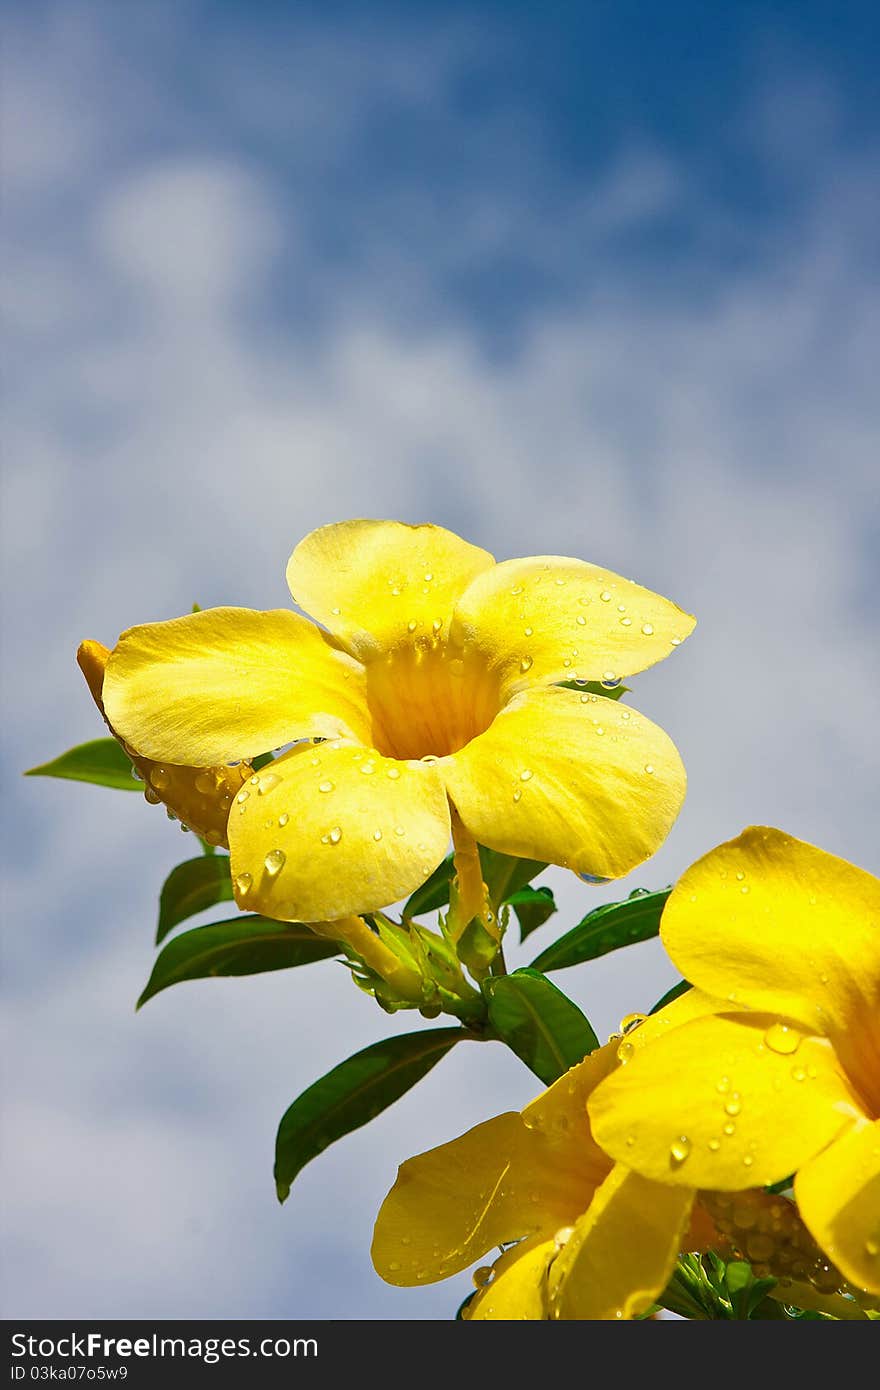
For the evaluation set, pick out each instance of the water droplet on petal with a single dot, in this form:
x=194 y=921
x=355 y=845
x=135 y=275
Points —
x=483 y=1276
x=436 y=625
x=399 y=830
x=160 y=778
x=626 y=622
x=411 y=625
x=526 y=774
x=517 y=795
x=679 y=1149
x=335 y=835
x=283 y=819
x=581 y=620
x=242 y=797
x=526 y=663
x=393 y=773
x=730 y=1128
x=274 y=862
x=649 y=768
x=676 y=641
x=782 y=1039
x=647 y=629
x=605 y=596
x=268 y=782
x=326 y=786
x=243 y=883
x=377 y=834
x=733 y=1106
x=714 y=1145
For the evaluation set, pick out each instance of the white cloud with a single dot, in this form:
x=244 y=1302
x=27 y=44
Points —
x=174 y=431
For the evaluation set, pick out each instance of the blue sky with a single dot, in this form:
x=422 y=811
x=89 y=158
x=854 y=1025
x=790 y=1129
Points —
x=596 y=280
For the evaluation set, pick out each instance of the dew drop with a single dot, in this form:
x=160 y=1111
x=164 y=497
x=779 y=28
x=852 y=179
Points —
x=625 y=714
x=649 y=768
x=268 y=782
x=798 y=1074
x=205 y=783
x=326 y=786
x=516 y=590
x=137 y=774
x=274 y=862
x=526 y=663
x=714 y=1145
x=782 y=1039
x=242 y=797
x=526 y=774
x=336 y=612
x=283 y=819
x=625 y=1052
x=733 y=1106
x=748 y=1160
x=399 y=830
x=393 y=773
x=483 y=1276
x=599 y=730
x=626 y=622
x=872 y=1248
x=605 y=596
x=428 y=576
x=675 y=641
x=160 y=778
x=647 y=629
x=335 y=835
x=528 y=631
x=610 y=680
x=377 y=834
x=730 y=1128
x=723 y=1085
x=394 y=1265
x=411 y=625
x=436 y=625
x=581 y=620
x=243 y=883
x=517 y=795
x=679 y=1149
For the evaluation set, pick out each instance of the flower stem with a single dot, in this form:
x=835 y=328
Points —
x=470 y=890
x=354 y=932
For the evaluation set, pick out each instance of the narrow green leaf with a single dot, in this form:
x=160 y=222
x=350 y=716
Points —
x=102 y=761
x=261 y=760
x=539 y=1023
x=190 y=888
x=674 y=993
x=238 y=946
x=352 y=1094
x=606 y=929
x=608 y=692
x=434 y=892
x=532 y=906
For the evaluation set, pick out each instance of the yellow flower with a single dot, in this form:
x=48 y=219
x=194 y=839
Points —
x=435 y=682
x=782 y=1074
x=594 y=1240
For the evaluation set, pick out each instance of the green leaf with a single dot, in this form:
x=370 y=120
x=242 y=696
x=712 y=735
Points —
x=605 y=929
x=261 y=760
x=434 y=892
x=190 y=888
x=532 y=906
x=674 y=993
x=539 y=1023
x=597 y=688
x=352 y=1094
x=238 y=946
x=103 y=762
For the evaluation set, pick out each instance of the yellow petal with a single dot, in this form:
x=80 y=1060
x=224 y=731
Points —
x=573 y=779
x=334 y=830
x=622 y=1250
x=713 y=1104
x=453 y=1203
x=548 y=618
x=228 y=683
x=559 y=1114
x=694 y=1003
x=200 y=797
x=518 y=1290
x=838 y=1193
x=379 y=584
x=773 y=923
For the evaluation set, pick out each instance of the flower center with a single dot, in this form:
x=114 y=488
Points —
x=429 y=700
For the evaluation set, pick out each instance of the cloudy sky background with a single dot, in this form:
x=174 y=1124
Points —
x=602 y=283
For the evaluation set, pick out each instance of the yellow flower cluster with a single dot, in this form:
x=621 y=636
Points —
x=436 y=694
